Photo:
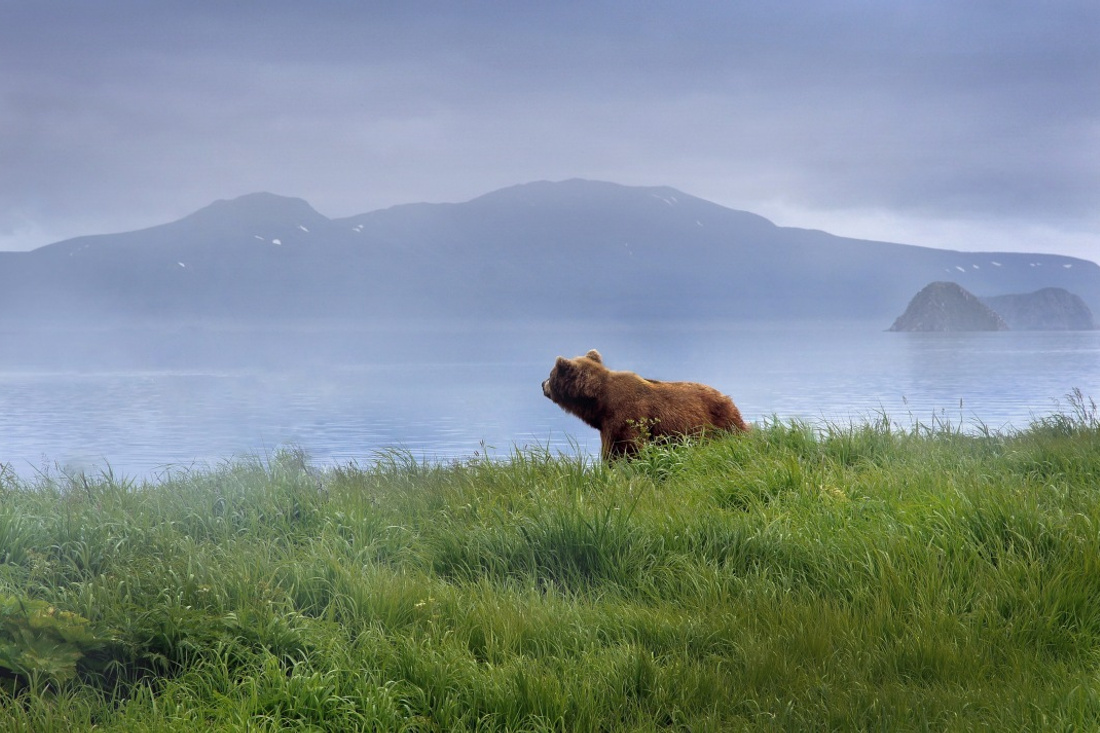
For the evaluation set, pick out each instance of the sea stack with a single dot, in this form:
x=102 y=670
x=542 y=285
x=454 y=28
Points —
x=947 y=306
x=1049 y=309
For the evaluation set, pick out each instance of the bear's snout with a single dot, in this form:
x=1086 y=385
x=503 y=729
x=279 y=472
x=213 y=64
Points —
x=546 y=388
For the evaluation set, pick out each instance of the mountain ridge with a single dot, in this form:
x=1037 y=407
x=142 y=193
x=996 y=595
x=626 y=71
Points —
x=569 y=249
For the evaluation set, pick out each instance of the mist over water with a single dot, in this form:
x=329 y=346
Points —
x=143 y=400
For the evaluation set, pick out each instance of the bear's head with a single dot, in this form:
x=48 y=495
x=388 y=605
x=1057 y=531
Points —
x=575 y=384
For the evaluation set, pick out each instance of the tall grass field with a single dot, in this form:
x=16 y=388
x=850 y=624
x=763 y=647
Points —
x=865 y=577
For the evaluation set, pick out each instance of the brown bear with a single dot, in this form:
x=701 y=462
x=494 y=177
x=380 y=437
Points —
x=628 y=409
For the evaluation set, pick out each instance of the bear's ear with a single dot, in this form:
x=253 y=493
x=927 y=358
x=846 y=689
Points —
x=563 y=363
x=595 y=356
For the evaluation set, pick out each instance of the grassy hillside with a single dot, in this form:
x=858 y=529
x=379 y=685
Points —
x=857 y=577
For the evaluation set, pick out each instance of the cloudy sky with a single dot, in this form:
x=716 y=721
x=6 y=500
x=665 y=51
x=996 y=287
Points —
x=970 y=125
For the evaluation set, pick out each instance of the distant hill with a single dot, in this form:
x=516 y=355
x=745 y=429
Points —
x=946 y=306
x=1049 y=309
x=571 y=249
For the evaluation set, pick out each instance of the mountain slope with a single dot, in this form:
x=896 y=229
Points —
x=568 y=249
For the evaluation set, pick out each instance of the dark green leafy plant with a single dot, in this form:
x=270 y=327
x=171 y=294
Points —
x=41 y=642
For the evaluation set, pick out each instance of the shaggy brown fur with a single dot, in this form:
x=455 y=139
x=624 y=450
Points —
x=628 y=409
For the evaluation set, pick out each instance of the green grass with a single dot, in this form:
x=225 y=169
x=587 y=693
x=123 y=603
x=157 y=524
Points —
x=857 y=577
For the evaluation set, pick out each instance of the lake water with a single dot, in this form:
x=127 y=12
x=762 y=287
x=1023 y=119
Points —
x=142 y=401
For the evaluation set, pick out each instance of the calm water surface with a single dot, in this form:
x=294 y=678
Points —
x=140 y=401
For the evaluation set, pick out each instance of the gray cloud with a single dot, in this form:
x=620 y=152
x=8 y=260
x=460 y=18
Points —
x=850 y=114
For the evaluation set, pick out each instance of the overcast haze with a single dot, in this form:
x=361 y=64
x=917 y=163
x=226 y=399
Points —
x=969 y=125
